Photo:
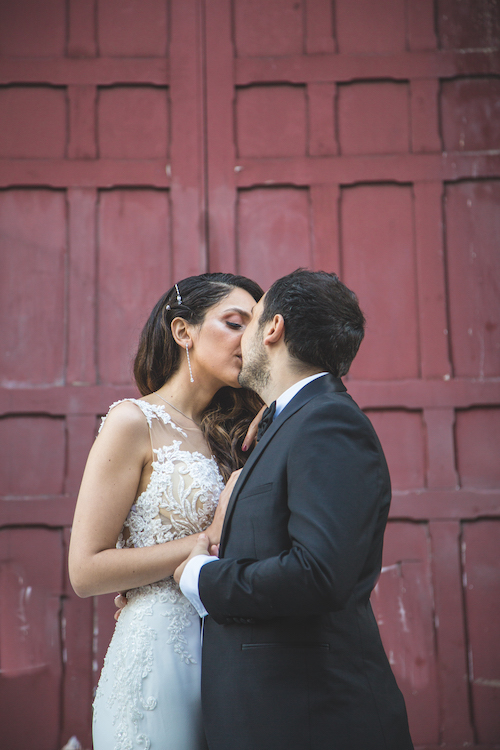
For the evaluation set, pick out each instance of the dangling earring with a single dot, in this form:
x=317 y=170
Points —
x=189 y=365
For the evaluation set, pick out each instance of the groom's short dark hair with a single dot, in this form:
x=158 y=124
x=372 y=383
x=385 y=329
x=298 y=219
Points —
x=324 y=325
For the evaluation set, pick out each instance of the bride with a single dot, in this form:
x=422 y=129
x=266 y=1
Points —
x=151 y=484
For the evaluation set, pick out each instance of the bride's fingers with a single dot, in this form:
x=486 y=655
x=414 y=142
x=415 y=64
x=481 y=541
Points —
x=120 y=601
x=252 y=430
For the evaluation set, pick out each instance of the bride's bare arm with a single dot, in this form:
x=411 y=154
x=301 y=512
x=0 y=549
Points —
x=107 y=492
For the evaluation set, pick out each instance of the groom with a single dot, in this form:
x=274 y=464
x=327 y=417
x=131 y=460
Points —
x=292 y=657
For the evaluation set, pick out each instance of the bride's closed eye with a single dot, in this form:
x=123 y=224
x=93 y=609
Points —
x=234 y=326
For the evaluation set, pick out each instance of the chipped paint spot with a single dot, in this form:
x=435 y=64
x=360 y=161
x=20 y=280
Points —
x=24 y=595
x=487 y=683
x=471 y=664
x=389 y=567
x=402 y=615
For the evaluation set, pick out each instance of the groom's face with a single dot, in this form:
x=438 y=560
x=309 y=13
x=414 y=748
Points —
x=254 y=372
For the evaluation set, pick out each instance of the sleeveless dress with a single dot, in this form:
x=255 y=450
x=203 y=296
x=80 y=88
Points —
x=148 y=695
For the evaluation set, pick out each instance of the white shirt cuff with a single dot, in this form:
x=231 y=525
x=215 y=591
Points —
x=189 y=581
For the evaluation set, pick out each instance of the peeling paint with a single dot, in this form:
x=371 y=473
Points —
x=402 y=615
x=487 y=683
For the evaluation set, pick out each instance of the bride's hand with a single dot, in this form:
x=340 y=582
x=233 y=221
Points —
x=252 y=430
x=120 y=602
x=215 y=529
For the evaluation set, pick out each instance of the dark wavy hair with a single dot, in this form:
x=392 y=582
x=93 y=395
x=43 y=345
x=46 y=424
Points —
x=227 y=417
x=324 y=325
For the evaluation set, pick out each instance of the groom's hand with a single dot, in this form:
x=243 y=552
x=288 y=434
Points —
x=200 y=548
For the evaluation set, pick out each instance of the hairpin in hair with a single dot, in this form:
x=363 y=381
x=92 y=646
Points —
x=179 y=299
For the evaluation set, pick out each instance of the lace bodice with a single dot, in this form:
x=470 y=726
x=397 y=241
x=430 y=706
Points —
x=184 y=486
x=179 y=499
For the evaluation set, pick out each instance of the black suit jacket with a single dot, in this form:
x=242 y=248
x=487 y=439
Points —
x=292 y=656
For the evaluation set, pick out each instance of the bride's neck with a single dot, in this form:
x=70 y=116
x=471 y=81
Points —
x=191 y=399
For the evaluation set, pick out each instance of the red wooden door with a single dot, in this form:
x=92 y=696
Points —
x=101 y=170
x=362 y=137
x=144 y=140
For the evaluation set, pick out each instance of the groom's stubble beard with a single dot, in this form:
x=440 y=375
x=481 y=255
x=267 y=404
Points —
x=255 y=372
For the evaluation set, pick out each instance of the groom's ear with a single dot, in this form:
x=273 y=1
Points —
x=275 y=330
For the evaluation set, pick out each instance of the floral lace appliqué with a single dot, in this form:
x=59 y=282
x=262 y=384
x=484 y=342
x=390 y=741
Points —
x=180 y=500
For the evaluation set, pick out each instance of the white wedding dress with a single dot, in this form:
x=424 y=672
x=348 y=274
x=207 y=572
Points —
x=148 y=695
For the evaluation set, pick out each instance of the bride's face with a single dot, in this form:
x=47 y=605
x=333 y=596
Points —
x=216 y=349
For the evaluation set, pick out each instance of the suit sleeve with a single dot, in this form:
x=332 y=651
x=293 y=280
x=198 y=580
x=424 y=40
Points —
x=337 y=484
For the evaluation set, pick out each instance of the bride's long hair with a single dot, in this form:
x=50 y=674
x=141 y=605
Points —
x=227 y=417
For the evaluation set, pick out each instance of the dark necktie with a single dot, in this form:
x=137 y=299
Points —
x=267 y=420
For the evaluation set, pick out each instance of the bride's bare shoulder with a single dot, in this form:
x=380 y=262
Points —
x=126 y=416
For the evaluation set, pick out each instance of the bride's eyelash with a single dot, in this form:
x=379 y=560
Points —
x=236 y=326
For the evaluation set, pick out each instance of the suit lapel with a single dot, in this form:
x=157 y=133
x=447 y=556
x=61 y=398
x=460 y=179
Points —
x=318 y=387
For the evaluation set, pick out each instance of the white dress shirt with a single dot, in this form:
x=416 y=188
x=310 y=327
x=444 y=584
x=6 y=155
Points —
x=190 y=577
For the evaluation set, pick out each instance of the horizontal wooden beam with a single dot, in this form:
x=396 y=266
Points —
x=425 y=505
x=54 y=512
x=64 y=400
x=458 y=393
x=99 y=71
x=348 y=170
x=301 y=170
x=84 y=173
x=414 y=506
x=430 y=64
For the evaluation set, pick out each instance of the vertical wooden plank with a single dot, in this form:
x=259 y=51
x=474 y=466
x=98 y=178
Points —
x=480 y=544
x=220 y=137
x=373 y=117
x=26 y=437
x=76 y=618
x=477 y=436
x=403 y=603
x=441 y=471
x=81 y=362
x=123 y=132
x=402 y=436
x=135 y=28
x=134 y=260
x=424 y=115
x=276 y=218
x=81 y=432
x=325 y=227
x=456 y=725
x=81 y=28
x=378 y=262
x=322 y=131
x=319 y=27
x=30 y=638
x=433 y=326
x=187 y=145
x=263 y=28
x=420 y=20
x=82 y=122
x=366 y=26
x=33 y=247
x=472 y=263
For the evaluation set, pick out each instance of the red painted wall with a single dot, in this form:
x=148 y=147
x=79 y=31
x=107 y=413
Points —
x=145 y=140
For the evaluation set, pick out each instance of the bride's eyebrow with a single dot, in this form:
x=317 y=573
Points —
x=240 y=311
